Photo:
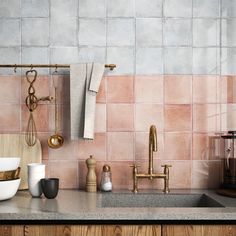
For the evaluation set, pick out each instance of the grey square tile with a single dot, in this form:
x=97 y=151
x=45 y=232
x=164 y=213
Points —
x=229 y=32
x=206 y=32
x=149 y=61
x=63 y=31
x=178 y=60
x=10 y=8
x=228 y=61
x=10 y=32
x=36 y=55
x=205 y=61
x=120 y=8
x=177 y=32
x=123 y=57
x=11 y=55
x=64 y=55
x=87 y=8
x=228 y=8
x=146 y=8
x=35 y=31
x=149 y=32
x=92 y=32
x=35 y=8
x=62 y=8
x=178 y=8
x=92 y=54
x=206 y=8
x=120 y=32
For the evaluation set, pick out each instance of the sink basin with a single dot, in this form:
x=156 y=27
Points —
x=156 y=200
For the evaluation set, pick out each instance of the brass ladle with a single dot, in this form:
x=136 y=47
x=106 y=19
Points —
x=56 y=140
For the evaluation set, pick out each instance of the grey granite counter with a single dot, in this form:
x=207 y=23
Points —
x=72 y=205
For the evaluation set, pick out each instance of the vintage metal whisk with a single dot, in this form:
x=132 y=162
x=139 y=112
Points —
x=31 y=102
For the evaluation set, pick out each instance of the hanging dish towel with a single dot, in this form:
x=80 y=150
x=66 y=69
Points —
x=84 y=84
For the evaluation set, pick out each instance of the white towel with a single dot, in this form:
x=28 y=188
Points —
x=84 y=84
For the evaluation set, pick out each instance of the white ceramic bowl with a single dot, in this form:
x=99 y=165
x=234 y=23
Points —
x=9 y=163
x=8 y=188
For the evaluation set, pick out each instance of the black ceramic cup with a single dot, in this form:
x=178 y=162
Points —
x=50 y=187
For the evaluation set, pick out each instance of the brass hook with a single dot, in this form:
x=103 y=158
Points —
x=15 y=68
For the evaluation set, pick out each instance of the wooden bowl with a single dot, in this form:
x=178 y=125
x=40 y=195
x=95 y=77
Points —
x=10 y=174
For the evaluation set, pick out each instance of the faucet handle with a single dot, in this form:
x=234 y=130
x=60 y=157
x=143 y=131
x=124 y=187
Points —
x=134 y=165
x=166 y=166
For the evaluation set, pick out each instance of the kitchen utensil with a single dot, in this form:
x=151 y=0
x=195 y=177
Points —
x=36 y=172
x=50 y=187
x=56 y=140
x=12 y=145
x=31 y=102
x=9 y=175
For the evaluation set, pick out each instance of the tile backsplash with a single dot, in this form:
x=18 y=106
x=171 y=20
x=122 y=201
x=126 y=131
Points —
x=175 y=69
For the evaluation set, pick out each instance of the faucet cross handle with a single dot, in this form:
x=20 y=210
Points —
x=166 y=179
x=134 y=165
x=166 y=166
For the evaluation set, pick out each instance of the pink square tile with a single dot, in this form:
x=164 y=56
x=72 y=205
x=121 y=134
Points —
x=205 y=89
x=66 y=152
x=178 y=118
x=41 y=86
x=120 y=89
x=100 y=118
x=40 y=116
x=120 y=117
x=10 y=118
x=121 y=174
x=206 y=117
x=142 y=146
x=43 y=138
x=62 y=118
x=66 y=171
x=149 y=89
x=228 y=89
x=206 y=146
x=83 y=171
x=62 y=83
x=180 y=174
x=178 y=89
x=10 y=89
x=101 y=95
x=206 y=174
x=147 y=115
x=228 y=117
x=120 y=146
x=96 y=147
x=177 y=146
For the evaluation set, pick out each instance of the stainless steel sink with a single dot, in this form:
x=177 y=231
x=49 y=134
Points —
x=156 y=200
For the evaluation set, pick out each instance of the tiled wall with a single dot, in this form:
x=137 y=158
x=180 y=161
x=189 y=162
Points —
x=175 y=69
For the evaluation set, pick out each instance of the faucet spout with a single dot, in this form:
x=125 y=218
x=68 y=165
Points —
x=152 y=147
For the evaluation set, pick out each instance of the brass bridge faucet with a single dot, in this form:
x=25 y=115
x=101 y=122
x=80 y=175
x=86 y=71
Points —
x=151 y=174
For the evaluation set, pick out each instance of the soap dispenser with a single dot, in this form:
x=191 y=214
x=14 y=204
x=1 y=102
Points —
x=91 y=179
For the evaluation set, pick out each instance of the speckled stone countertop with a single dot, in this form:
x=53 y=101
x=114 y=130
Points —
x=79 y=206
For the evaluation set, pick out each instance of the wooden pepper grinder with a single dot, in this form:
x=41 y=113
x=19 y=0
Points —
x=91 y=179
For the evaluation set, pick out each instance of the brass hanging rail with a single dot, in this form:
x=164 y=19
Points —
x=110 y=66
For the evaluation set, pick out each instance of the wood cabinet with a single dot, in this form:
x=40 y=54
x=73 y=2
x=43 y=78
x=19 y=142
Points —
x=93 y=230
x=118 y=230
x=198 y=230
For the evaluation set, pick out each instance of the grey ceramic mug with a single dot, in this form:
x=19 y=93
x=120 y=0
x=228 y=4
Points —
x=50 y=187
